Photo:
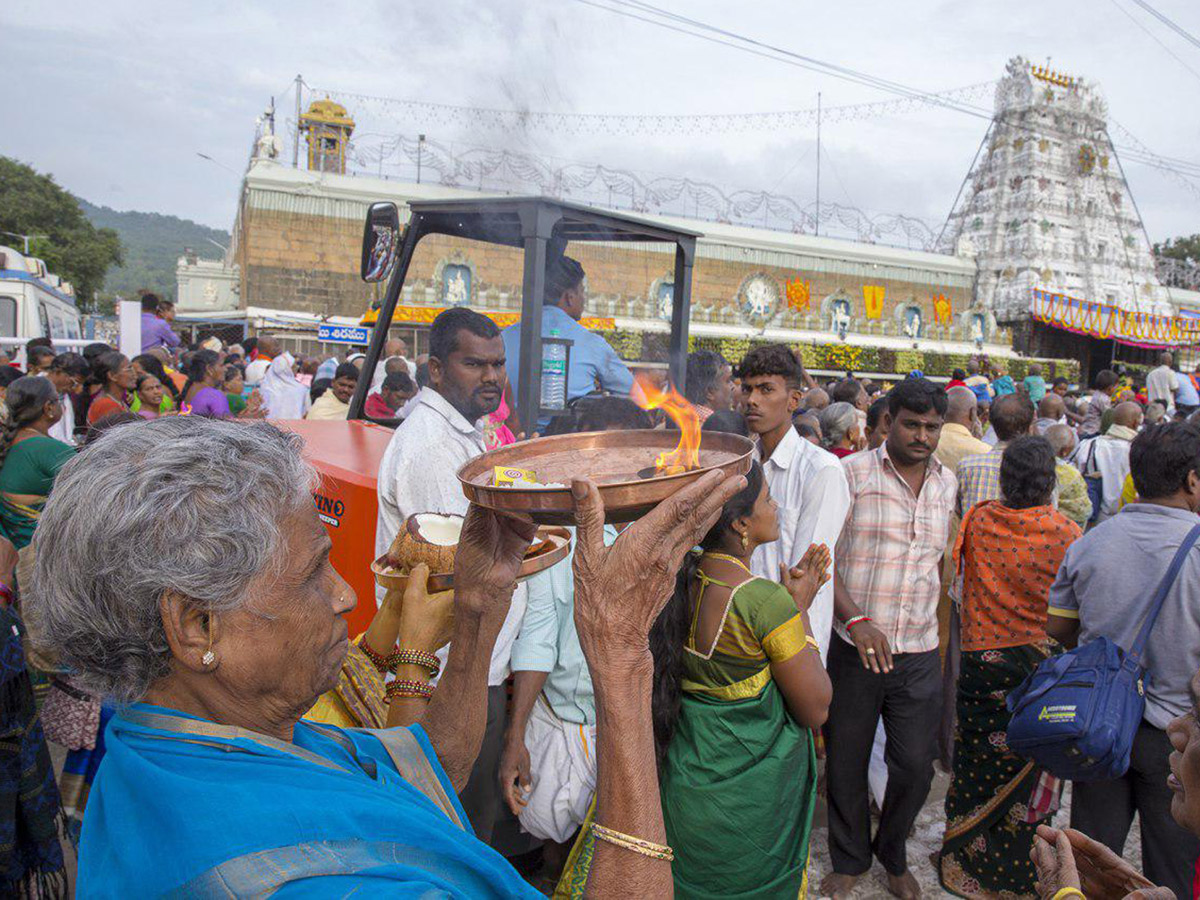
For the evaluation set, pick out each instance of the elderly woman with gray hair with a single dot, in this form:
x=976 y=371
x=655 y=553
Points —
x=841 y=429
x=218 y=633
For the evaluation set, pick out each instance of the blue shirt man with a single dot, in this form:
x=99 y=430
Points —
x=592 y=362
x=1185 y=391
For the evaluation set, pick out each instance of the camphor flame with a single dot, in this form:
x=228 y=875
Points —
x=687 y=455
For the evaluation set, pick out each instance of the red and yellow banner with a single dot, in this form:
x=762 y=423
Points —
x=943 y=309
x=873 y=297
x=424 y=315
x=1109 y=322
x=799 y=294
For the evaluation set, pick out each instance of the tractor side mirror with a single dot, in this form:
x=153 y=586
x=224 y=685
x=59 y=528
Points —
x=381 y=242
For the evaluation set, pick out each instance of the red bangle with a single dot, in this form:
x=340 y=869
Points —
x=857 y=620
x=381 y=662
x=399 y=688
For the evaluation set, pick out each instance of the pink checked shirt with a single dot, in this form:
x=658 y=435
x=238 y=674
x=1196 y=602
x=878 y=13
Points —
x=891 y=547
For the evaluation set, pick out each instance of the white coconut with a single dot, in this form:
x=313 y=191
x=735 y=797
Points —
x=429 y=538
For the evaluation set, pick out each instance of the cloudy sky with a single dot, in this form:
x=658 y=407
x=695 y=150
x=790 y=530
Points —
x=116 y=99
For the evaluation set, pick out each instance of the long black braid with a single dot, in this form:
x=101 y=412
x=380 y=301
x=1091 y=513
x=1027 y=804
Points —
x=25 y=403
x=669 y=633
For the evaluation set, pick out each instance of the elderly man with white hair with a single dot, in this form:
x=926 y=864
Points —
x=218 y=633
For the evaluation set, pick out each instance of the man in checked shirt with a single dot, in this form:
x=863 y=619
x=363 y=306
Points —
x=884 y=659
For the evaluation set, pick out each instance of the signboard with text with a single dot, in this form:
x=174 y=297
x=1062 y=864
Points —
x=343 y=334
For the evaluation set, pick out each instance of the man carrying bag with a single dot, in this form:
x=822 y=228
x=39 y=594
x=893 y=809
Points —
x=1129 y=583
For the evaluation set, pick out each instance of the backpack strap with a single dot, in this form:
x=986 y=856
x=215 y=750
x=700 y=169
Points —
x=1164 y=586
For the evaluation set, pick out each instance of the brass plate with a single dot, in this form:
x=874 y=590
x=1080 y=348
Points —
x=613 y=459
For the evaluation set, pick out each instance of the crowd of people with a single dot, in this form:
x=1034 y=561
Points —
x=662 y=711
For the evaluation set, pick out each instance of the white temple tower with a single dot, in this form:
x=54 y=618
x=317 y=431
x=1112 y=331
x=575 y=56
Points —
x=1046 y=205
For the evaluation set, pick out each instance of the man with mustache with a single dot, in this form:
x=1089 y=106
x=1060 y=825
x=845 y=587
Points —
x=418 y=474
x=884 y=659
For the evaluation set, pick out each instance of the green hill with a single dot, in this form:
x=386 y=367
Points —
x=152 y=245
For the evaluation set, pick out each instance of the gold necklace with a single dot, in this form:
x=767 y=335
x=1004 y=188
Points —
x=733 y=559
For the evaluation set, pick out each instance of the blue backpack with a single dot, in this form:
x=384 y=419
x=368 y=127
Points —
x=1077 y=713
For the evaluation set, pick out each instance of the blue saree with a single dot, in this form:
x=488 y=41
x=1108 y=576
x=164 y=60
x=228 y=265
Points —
x=184 y=807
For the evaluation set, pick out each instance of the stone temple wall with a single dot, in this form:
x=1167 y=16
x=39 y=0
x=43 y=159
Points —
x=309 y=262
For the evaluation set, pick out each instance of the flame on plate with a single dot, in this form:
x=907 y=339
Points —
x=687 y=455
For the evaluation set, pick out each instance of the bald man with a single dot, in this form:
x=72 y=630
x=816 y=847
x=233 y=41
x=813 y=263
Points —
x=815 y=400
x=960 y=429
x=1051 y=411
x=1104 y=460
x=1062 y=439
x=268 y=349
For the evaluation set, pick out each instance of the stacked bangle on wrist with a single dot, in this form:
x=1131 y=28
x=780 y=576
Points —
x=378 y=660
x=855 y=620
x=415 y=689
x=405 y=657
x=629 y=842
x=387 y=663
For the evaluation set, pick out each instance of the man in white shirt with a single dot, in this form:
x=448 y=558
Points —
x=418 y=474
x=1162 y=382
x=1106 y=457
x=268 y=349
x=806 y=482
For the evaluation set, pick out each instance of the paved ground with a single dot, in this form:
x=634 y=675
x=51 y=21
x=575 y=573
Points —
x=926 y=840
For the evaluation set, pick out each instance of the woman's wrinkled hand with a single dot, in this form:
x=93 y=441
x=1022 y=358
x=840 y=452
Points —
x=620 y=590
x=490 y=551
x=1054 y=861
x=1099 y=871
x=808 y=576
x=426 y=620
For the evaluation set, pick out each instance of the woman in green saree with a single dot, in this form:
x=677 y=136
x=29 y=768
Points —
x=29 y=457
x=739 y=686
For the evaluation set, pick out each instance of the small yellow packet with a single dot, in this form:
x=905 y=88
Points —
x=505 y=475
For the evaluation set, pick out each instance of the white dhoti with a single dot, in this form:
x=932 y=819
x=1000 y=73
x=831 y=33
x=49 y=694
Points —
x=562 y=769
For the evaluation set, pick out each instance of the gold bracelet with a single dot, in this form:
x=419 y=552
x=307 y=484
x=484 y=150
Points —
x=1069 y=892
x=637 y=845
x=812 y=642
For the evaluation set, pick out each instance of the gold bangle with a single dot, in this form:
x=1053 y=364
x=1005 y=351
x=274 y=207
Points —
x=637 y=845
x=1069 y=892
x=812 y=642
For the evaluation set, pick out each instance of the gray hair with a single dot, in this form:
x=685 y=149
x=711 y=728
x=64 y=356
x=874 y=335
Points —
x=836 y=420
x=1061 y=437
x=180 y=503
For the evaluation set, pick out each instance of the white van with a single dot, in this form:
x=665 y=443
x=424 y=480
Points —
x=33 y=302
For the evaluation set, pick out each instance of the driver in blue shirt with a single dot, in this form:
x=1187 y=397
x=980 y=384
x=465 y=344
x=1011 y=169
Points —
x=592 y=363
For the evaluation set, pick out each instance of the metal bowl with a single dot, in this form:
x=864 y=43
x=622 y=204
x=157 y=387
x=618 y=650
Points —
x=620 y=462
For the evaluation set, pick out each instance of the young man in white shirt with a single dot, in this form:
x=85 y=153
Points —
x=806 y=482
x=418 y=474
x=1162 y=382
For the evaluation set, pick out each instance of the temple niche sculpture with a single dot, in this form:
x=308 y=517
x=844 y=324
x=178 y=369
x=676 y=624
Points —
x=1047 y=206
